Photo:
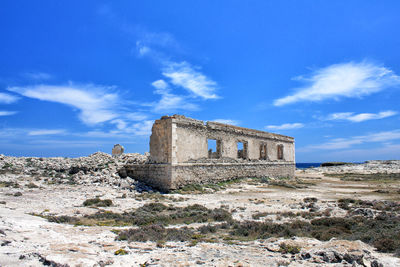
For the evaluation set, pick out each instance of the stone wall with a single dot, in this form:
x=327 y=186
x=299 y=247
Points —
x=187 y=173
x=156 y=175
x=161 y=141
x=168 y=176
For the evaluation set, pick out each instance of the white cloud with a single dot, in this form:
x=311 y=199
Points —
x=285 y=126
x=161 y=86
x=7 y=98
x=96 y=103
x=158 y=46
x=46 y=132
x=142 y=128
x=169 y=102
x=7 y=113
x=350 y=116
x=183 y=75
x=342 y=80
x=225 y=121
x=343 y=143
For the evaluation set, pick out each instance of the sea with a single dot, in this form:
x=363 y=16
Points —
x=307 y=165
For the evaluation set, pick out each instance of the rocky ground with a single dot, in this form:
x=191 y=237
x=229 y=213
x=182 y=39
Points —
x=85 y=212
x=369 y=167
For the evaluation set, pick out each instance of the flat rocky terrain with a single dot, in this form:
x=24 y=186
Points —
x=86 y=212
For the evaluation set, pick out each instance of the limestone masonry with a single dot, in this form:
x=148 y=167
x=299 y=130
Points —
x=185 y=151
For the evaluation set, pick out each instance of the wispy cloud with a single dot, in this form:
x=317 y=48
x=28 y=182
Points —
x=342 y=80
x=227 y=121
x=186 y=76
x=159 y=47
x=169 y=102
x=38 y=76
x=343 y=143
x=46 y=132
x=156 y=39
x=351 y=116
x=142 y=128
x=7 y=98
x=96 y=103
x=124 y=130
x=135 y=116
x=121 y=124
x=7 y=113
x=142 y=49
x=161 y=87
x=384 y=152
x=285 y=126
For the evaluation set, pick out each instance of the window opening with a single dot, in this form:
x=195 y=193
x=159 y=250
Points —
x=241 y=150
x=263 y=151
x=280 y=151
x=214 y=148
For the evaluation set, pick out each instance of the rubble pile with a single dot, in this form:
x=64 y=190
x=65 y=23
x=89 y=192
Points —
x=99 y=167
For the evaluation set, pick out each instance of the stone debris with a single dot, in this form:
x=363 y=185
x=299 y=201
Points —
x=98 y=168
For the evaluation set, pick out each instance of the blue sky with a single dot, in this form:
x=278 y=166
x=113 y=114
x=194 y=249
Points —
x=77 y=77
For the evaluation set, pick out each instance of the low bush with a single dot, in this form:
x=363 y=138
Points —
x=156 y=232
x=97 y=202
x=385 y=245
x=63 y=219
x=207 y=229
x=258 y=215
x=365 y=176
x=120 y=251
x=381 y=232
x=287 y=248
x=9 y=184
x=310 y=200
x=152 y=213
x=32 y=185
x=345 y=202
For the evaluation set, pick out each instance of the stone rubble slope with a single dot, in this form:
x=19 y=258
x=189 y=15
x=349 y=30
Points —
x=100 y=167
x=369 y=167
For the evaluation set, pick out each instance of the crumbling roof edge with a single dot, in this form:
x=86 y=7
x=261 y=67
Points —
x=234 y=127
x=224 y=127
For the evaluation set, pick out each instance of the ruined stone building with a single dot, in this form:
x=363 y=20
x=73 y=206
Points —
x=185 y=150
